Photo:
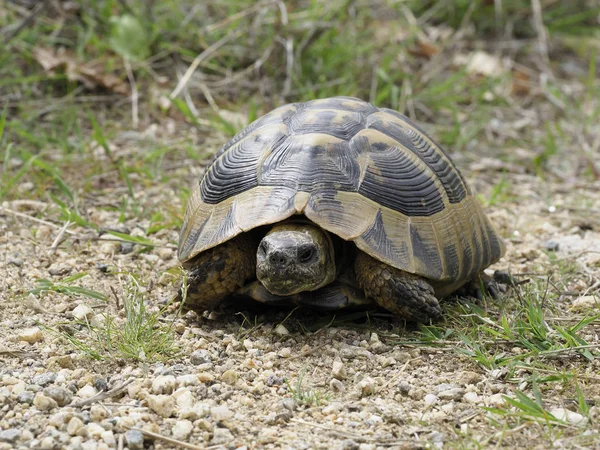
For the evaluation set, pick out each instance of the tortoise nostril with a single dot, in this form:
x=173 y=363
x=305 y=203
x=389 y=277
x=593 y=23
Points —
x=278 y=259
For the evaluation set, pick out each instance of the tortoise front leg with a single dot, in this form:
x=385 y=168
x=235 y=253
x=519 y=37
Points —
x=406 y=295
x=219 y=272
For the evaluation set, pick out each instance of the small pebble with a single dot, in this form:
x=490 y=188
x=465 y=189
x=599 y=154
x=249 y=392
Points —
x=551 y=245
x=30 y=335
x=87 y=391
x=281 y=330
x=200 y=357
x=164 y=384
x=220 y=413
x=337 y=385
x=182 y=429
x=229 y=377
x=98 y=413
x=431 y=399
x=75 y=424
x=455 y=393
x=221 y=436
x=10 y=435
x=44 y=379
x=585 y=303
x=163 y=405
x=60 y=395
x=471 y=397
x=43 y=403
x=100 y=384
x=348 y=444
x=59 y=269
x=83 y=312
x=25 y=397
x=338 y=370
x=134 y=439
x=569 y=416
x=366 y=387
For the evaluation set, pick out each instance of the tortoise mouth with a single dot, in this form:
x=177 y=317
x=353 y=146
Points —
x=293 y=258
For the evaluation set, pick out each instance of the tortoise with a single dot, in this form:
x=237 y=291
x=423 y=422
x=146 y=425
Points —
x=332 y=203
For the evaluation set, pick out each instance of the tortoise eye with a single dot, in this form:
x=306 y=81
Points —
x=306 y=254
x=262 y=248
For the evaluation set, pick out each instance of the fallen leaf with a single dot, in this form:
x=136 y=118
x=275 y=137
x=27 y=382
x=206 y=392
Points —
x=90 y=74
x=521 y=84
x=424 y=49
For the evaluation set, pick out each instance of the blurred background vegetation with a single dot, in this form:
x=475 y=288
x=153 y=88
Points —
x=76 y=75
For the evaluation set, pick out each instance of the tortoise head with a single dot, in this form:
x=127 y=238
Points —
x=295 y=257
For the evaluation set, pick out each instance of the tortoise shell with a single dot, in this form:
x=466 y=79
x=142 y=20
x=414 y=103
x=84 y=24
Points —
x=366 y=174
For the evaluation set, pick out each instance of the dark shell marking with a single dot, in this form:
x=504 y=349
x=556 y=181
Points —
x=366 y=174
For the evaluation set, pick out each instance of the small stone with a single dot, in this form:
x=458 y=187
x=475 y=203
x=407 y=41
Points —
x=585 y=303
x=281 y=330
x=431 y=399
x=569 y=416
x=285 y=352
x=436 y=437
x=366 y=387
x=44 y=379
x=455 y=393
x=182 y=429
x=164 y=384
x=338 y=370
x=109 y=438
x=471 y=397
x=98 y=413
x=25 y=397
x=64 y=362
x=404 y=387
x=337 y=385
x=348 y=444
x=43 y=403
x=274 y=380
x=221 y=436
x=465 y=377
x=30 y=335
x=163 y=405
x=332 y=408
x=47 y=443
x=496 y=400
x=184 y=398
x=100 y=384
x=94 y=430
x=10 y=435
x=288 y=403
x=59 y=269
x=230 y=377
x=125 y=247
x=61 y=395
x=75 y=424
x=200 y=357
x=190 y=379
x=83 y=312
x=551 y=245
x=220 y=413
x=134 y=439
x=205 y=377
x=87 y=391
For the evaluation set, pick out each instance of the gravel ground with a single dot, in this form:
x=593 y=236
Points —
x=267 y=378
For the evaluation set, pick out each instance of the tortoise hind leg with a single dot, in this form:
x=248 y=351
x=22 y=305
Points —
x=219 y=272
x=406 y=295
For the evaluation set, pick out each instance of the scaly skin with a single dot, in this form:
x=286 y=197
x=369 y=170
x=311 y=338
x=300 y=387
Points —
x=220 y=271
x=406 y=295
